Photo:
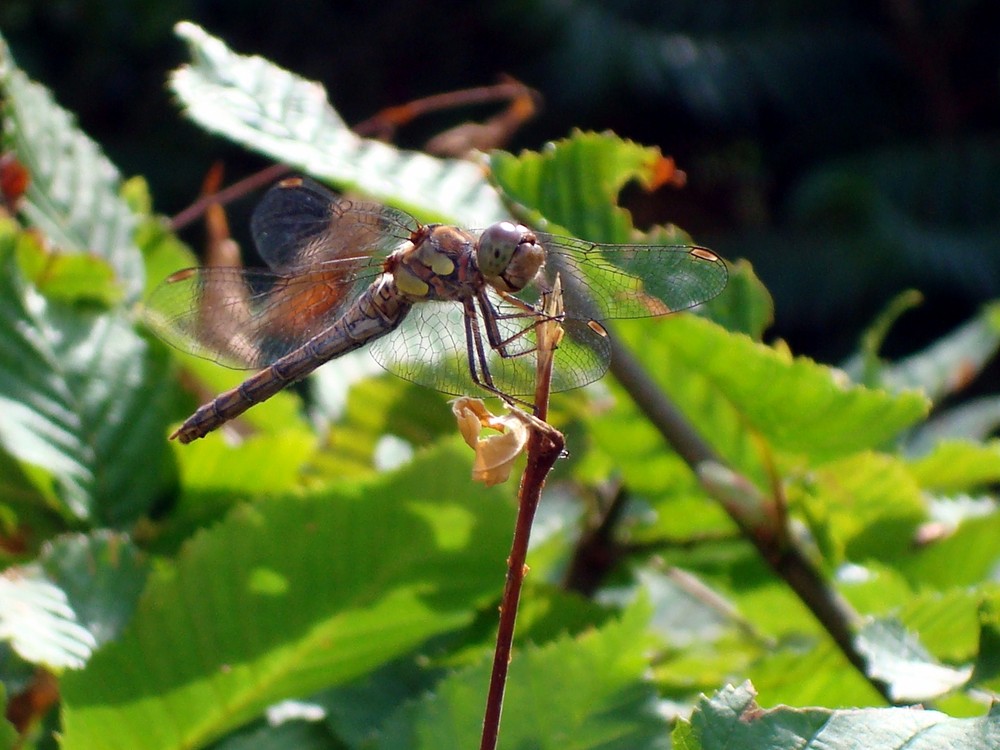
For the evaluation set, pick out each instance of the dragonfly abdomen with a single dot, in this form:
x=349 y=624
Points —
x=375 y=313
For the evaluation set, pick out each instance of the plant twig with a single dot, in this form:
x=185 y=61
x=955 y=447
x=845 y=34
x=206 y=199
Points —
x=545 y=446
x=237 y=190
x=780 y=552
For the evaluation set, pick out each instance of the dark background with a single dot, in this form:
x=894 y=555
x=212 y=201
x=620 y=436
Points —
x=850 y=149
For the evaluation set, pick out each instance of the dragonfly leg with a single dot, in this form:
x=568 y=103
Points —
x=496 y=339
x=476 y=354
x=478 y=367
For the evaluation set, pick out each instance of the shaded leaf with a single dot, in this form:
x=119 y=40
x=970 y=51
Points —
x=291 y=595
x=358 y=711
x=102 y=575
x=987 y=669
x=297 y=734
x=216 y=474
x=552 y=700
x=951 y=362
x=73 y=195
x=83 y=398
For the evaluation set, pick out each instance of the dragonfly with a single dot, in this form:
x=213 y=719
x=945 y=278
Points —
x=452 y=309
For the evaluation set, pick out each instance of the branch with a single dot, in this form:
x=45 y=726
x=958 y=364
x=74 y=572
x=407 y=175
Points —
x=779 y=551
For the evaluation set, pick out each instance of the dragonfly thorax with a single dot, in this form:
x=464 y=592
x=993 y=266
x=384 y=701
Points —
x=509 y=256
x=436 y=264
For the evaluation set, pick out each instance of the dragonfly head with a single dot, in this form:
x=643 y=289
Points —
x=509 y=255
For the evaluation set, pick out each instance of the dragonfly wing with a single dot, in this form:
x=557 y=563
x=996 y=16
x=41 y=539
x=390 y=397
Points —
x=428 y=348
x=431 y=348
x=247 y=319
x=299 y=224
x=629 y=281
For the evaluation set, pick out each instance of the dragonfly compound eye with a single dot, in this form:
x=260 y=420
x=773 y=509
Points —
x=508 y=255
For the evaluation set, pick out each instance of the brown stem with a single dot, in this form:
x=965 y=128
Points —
x=236 y=190
x=545 y=446
x=544 y=450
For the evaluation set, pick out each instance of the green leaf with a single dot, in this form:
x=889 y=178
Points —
x=745 y=397
x=297 y=734
x=745 y=307
x=254 y=102
x=732 y=720
x=895 y=656
x=217 y=473
x=280 y=413
x=9 y=737
x=102 y=575
x=84 y=399
x=865 y=506
x=974 y=419
x=73 y=195
x=987 y=670
x=950 y=363
x=290 y=595
x=965 y=557
x=583 y=692
x=958 y=465
x=810 y=670
x=377 y=407
x=946 y=621
x=79 y=595
x=572 y=186
x=37 y=619
x=66 y=277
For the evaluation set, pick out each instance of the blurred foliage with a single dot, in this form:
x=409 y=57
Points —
x=848 y=149
x=290 y=582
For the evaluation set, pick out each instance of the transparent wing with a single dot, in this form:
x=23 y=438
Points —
x=627 y=281
x=247 y=319
x=431 y=348
x=299 y=224
x=323 y=252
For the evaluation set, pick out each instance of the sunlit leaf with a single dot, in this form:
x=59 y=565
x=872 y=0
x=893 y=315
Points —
x=553 y=699
x=290 y=595
x=748 y=399
x=865 y=506
x=746 y=305
x=68 y=277
x=39 y=622
x=958 y=465
x=732 y=720
x=896 y=657
x=572 y=186
x=254 y=102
